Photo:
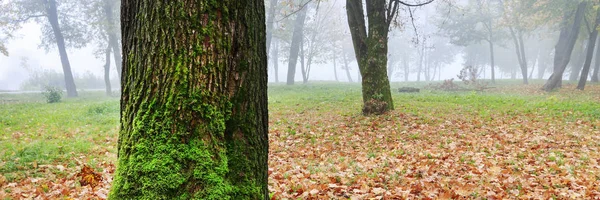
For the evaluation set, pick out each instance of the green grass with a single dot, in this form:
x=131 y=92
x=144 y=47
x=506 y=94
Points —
x=84 y=129
x=33 y=132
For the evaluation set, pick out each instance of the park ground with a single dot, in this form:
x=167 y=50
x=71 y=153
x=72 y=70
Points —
x=510 y=141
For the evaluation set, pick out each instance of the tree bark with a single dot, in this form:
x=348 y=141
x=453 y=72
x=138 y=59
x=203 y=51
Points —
x=295 y=46
x=52 y=15
x=371 y=53
x=107 y=71
x=564 y=47
x=194 y=101
x=590 y=54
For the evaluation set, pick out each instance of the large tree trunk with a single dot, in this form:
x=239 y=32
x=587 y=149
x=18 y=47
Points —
x=112 y=35
x=590 y=53
x=371 y=53
x=194 y=101
x=52 y=15
x=107 y=71
x=296 y=45
x=564 y=47
x=270 y=22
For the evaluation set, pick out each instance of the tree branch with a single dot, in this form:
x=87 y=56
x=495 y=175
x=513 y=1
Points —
x=413 y=5
x=296 y=11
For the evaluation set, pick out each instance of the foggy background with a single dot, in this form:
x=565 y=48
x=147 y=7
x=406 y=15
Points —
x=413 y=42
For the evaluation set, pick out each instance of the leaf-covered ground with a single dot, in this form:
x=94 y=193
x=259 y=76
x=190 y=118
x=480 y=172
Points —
x=510 y=142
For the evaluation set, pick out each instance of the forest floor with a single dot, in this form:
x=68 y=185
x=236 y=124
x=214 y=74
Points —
x=511 y=141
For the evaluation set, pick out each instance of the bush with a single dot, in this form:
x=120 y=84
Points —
x=52 y=94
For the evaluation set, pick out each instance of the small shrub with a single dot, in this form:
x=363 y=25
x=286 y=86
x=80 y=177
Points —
x=52 y=94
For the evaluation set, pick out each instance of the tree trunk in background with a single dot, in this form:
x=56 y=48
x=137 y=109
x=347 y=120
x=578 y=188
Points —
x=302 y=63
x=421 y=58
x=371 y=53
x=295 y=46
x=543 y=57
x=578 y=63
x=390 y=67
x=347 y=68
x=194 y=101
x=52 y=15
x=406 y=69
x=107 y=71
x=590 y=53
x=597 y=62
x=112 y=35
x=492 y=61
x=335 y=67
x=270 y=22
x=275 y=58
x=520 y=51
x=564 y=47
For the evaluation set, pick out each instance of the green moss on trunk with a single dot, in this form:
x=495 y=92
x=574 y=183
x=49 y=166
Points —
x=193 y=105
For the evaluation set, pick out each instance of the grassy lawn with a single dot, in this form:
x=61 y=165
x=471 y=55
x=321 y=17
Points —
x=511 y=141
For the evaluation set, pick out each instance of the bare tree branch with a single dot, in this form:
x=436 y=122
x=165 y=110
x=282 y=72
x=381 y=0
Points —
x=413 y=5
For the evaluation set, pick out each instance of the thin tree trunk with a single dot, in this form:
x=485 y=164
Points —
x=52 y=15
x=522 y=63
x=112 y=35
x=297 y=36
x=335 y=67
x=194 y=122
x=492 y=60
x=590 y=53
x=564 y=47
x=597 y=63
x=347 y=68
x=302 y=66
x=107 y=71
x=270 y=22
x=406 y=69
x=276 y=60
x=579 y=62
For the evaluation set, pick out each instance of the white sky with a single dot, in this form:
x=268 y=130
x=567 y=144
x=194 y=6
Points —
x=26 y=45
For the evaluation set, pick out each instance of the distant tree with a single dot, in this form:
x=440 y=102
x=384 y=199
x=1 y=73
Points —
x=371 y=48
x=517 y=16
x=62 y=25
x=564 y=47
x=590 y=51
x=103 y=17
x=194 y=101
x=474 y=23
x=296 y=43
